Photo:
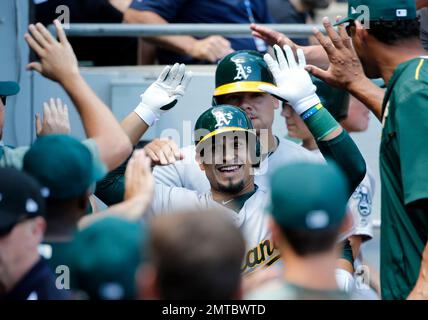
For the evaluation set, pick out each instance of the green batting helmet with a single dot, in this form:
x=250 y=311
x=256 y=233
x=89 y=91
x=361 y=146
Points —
x=335 y=100
x=222 y=119
x=241 y=71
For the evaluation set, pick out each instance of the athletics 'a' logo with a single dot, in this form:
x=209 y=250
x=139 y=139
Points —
x=242 y=72
x=222 y=118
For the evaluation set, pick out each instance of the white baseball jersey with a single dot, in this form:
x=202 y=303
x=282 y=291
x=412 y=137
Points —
x=187 y=174
x=251 y=219
x=360 y=205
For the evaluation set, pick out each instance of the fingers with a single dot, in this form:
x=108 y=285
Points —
x=46 y=112
x=45 y=33
x=35 y=66
x=41 y=41
x=346 y=39
x=271 y=90
x=181 y=89
x=179 y=76
x=301 y=58
x=282 y=62
x=269 y=35
x=53 y=108
x=60 y=32
x=38 y=124
x=290 y=57
x=164 y=73
x=334 y=37
x=272 y=64
x=163 y=151
x=34 y=44
x=318 y=72
x=325 y=43
x=172 y=74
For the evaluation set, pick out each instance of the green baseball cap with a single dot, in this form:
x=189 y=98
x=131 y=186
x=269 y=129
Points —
x=380 y=10
x=308 y=196
x=8 y=88
x=106 y=257
x=63 y=165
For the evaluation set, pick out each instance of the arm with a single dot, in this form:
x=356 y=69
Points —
x=139 y=189
x=59 y=63
x=345 y=69
x=211 y=48
x=315 y=55
x=421 y=4
x=295 y=86
x=161 y=96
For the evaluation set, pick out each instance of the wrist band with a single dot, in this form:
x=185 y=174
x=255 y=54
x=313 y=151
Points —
x=147 y=115
x=311 y=111
x=321 y=123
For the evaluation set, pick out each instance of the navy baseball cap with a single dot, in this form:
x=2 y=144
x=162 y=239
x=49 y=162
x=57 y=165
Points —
x=21 y=198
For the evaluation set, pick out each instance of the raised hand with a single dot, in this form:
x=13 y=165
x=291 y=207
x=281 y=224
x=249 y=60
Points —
x=293 y=82
x=57 y=59
x=164 y=93
x=55 y=119
x=163 y=152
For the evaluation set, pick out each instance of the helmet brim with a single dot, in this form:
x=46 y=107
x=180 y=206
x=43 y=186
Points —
x=243 y=86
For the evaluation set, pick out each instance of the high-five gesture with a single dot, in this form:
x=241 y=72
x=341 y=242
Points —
x=164 y=93
x=57 y=59
x=55 y=118
x=293 y=82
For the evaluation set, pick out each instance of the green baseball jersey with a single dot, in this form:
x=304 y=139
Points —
x=404 y=176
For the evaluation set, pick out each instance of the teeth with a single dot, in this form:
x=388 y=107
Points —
x=228 y=168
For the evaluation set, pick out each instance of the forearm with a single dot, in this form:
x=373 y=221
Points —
x=99 y=122
x=336 y=144
x=369 y=94
x=180 y=44
x=134 y=127
x=132 y=210
x=347 y=156
x=421 y=4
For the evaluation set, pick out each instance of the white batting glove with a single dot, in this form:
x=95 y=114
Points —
x=293 y=82
x=164 y=93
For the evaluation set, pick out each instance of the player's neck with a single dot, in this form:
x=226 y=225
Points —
x=221 y=196
x=272 y=142
x=315 y=272
x=309 y=144
x=391 y=56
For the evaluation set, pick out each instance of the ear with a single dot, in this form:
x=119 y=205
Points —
x=276 y=103
x=199 y=161
x=38 y=228
x=360 y=32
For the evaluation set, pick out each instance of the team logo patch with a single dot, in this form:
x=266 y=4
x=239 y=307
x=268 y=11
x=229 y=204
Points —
x=364 y=203
x=242 y=71
x=222 y=118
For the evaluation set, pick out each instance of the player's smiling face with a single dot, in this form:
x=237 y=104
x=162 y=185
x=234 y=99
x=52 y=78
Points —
x=260 y=107
x=226 y=164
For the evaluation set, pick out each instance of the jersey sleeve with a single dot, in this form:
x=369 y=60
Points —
x=168 y=175
x=167 y=9
x=412 y=129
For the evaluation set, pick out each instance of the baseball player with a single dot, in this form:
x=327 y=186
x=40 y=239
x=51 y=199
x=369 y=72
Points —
x=390 y=49
x=338 y=103
x=238 y=77
x=240 y=184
